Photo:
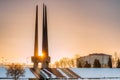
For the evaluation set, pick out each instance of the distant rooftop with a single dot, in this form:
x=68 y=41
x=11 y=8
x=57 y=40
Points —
x=99 y=54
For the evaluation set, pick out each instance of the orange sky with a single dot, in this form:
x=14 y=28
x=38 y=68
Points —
x=74 y=27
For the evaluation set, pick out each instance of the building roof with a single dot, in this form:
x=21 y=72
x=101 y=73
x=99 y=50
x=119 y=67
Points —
x=99 y=54
x=95 y=54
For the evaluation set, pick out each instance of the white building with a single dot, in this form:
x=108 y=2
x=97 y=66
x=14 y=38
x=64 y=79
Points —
x=103 y=59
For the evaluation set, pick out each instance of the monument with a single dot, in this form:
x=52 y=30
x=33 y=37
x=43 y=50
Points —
x=44 y=59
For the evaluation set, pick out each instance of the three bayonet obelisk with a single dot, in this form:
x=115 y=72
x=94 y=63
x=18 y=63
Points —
x=45 y=59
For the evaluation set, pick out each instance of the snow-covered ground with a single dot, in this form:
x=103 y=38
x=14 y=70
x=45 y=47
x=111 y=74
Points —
x=90 y=73
x=27 y=74
x=103 y=73
x=3 y=72
x=63 y=73
x=98 y=79
x=84 y=73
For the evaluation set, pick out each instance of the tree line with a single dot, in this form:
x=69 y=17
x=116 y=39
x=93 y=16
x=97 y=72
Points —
x=96 y=64
x=72 y=63
x=65 y=62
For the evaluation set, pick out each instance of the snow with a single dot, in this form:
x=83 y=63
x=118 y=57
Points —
x=3 y=72
x=52 y=75
x=98 y=79
x=14 y=79
x=44 y=74
x=84 y=73
x=97 y=72
x=27 y=74
x=62 y=73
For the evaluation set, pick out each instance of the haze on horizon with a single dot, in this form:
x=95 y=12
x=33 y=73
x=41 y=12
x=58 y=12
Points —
x=74 y=27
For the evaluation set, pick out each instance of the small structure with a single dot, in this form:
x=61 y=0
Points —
x=103 y=59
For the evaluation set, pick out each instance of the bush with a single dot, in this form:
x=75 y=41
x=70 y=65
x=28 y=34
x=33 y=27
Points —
x=118 y=64
x=15 y=71
x=87 y=65
x=97 y=64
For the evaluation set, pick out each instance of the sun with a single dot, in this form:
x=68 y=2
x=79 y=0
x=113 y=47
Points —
x=40 y=54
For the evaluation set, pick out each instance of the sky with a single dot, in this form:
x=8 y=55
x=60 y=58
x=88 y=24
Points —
x=74 y=27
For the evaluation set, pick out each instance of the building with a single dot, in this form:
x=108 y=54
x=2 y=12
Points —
x=103 y=59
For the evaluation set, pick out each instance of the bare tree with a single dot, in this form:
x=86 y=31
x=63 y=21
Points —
x=57 y=64
x=79 y=65
x=118 y=63
x=76 y=56
x=66 y=62
x=72 y=62
x=15 y=71
x=110 y=62
x=116 y=58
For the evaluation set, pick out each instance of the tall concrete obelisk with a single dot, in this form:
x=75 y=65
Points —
x=45 y=52
x=35 y=57
x=45 y=59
